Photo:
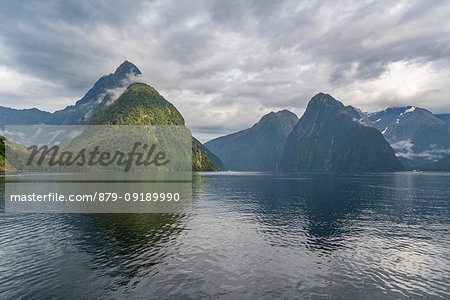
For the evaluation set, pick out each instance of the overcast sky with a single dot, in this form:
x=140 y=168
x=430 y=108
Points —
x=226 y=63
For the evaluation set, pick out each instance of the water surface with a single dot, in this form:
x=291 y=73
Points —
x=249 y=235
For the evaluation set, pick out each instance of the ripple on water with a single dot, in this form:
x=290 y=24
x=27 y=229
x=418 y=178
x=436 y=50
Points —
x=249 y=235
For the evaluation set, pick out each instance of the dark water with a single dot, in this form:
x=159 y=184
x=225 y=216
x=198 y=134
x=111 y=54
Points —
x=249 y=236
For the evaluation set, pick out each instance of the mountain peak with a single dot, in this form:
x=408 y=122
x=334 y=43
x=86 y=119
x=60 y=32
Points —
x=327 y=139
x=140 y=104
x=323 y=104
x=280 y=115
x=258 y=148
x=322 y=98
x=127 y=67
x=285 y=112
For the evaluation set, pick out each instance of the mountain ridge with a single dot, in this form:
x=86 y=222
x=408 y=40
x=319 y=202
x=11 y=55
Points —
x=257 y=148
x=444 y=117
x=417 y=135
x=79 y=112
x=142 y=105
x=327 y=139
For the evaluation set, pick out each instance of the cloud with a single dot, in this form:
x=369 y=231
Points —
x=225 y=63
x=405 y=149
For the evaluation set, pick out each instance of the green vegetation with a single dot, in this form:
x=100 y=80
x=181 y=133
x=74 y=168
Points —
x=2 y=154
x=141 y=104
x=216 y=161
x=200 y=161
x=5 y=166
x=2 y=146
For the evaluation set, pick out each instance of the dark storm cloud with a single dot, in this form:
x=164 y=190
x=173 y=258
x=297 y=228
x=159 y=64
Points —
x=225 y=63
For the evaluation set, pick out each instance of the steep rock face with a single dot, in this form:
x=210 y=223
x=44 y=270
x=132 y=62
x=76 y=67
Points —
x=216 y=161
x=98 y=98
x=328 y=139
x=141 y=104
x=416 y=135
x=200 y=159
x=358 y=115
x=259 y=148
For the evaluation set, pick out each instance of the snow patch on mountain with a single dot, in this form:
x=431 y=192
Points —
x=411 y=109
x=408 y=110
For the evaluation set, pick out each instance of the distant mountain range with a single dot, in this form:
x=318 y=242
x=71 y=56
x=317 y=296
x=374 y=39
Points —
x=334 y=137
x=329 y=136
x=259 y=148
x=417 y=136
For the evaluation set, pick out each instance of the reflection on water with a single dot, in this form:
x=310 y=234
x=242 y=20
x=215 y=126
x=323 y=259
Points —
x=249 y=235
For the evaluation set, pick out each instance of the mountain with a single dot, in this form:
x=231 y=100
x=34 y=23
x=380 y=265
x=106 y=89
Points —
x=327 y=138
x=440 y=165
x=258 y=148
x=12 y=116
x=141 y=104
x=5 y=166
x=216 y=162
x=200 y=160
x=444 y=117
x=2 y=154
x=97 y=99
x=358 y=115
x=417 y=136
